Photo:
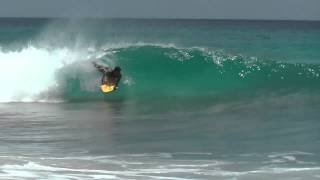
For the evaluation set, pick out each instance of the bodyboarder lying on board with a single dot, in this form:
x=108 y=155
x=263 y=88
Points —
x=110 y=76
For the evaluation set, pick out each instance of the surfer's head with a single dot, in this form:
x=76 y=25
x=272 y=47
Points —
x=117 y=68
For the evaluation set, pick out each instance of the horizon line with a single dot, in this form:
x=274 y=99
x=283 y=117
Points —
x=156 y=18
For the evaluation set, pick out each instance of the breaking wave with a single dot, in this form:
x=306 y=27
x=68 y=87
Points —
x=150 y=70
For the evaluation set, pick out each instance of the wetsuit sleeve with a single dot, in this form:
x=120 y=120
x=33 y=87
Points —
x=100 y=68
x=118 y=80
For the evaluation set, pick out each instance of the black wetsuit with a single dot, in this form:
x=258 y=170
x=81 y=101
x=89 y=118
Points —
x=110 y=76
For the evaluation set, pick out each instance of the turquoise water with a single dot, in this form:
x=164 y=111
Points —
x=199 y=99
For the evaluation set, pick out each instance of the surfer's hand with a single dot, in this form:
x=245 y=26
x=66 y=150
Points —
x=95 y=64
x=116 y=87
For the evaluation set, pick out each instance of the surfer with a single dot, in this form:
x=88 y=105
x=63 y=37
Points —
x=110 y=76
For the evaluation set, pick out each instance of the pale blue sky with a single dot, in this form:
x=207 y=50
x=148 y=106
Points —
x=212 y=9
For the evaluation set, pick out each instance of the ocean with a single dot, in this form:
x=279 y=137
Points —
x=198 y=99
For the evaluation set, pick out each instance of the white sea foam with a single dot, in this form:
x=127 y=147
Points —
x=26 y=73
x=274 y=155
x=143 y=166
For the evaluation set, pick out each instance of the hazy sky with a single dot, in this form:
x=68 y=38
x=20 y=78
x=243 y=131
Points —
x=216 y=9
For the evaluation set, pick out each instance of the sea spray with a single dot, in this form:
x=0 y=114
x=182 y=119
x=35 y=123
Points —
x=28 y=72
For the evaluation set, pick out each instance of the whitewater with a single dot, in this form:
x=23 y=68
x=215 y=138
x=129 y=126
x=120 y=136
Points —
x=199 y=99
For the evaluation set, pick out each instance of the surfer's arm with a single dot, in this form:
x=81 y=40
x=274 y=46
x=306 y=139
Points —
x=102 y=69
x=116 y=85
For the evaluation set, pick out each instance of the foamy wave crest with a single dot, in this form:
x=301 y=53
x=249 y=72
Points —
x=26 y=75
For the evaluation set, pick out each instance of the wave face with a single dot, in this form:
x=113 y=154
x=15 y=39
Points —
x=158 y=71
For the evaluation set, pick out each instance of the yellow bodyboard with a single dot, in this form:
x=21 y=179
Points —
x=107 y=88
